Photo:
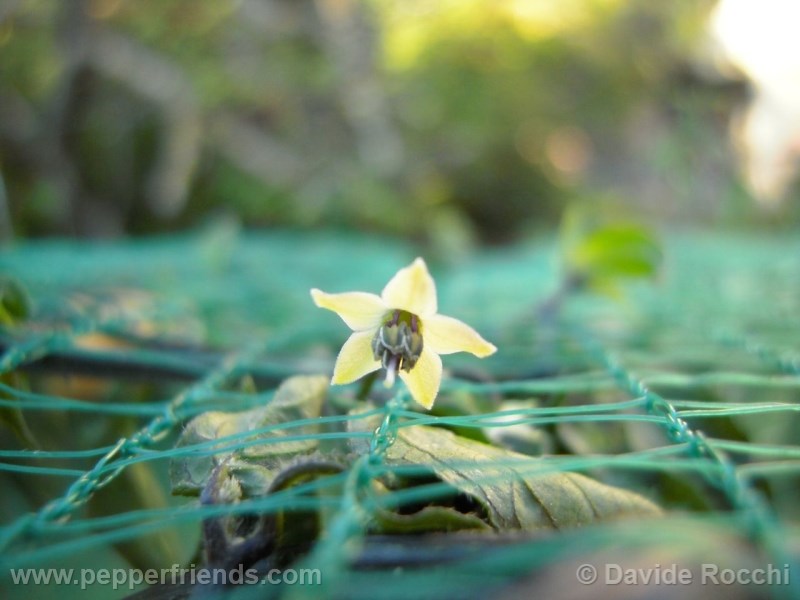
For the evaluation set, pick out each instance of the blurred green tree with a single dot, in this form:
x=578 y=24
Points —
x=447 y=121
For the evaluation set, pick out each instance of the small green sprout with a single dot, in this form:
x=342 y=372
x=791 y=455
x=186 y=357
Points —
x=598 y=249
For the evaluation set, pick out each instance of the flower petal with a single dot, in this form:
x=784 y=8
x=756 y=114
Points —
x=361 y=311
x=424 y=379
x=412 y=289
x=445 y=335
x=355 y=358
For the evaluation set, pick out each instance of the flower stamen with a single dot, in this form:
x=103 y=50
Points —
x=398 y=344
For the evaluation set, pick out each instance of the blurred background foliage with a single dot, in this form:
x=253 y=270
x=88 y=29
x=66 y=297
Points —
x=452 y=122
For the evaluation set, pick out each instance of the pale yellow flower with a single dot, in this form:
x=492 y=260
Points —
x=401 y=331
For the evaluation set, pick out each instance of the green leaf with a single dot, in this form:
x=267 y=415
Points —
x=14 y=307
x=14 y=302
x=616 y=251
x=429 y=519
x=444 y=516
x=502 y=483
x=298 y=398
x=599 y=247
x=139 y=487
x=14 y=417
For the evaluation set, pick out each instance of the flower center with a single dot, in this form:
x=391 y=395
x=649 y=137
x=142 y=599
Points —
x=398 y=343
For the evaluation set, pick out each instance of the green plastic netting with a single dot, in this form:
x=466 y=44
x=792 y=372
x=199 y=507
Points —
x=685 y=391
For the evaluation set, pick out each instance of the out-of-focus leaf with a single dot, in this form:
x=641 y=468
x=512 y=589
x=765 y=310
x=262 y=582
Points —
x=14 y=302
x=14 y=308
x=616 y=251
x=598 y=248
x=593 y=437
x=300 y=397
x=501 y=482
x=137 y=488
x=13 y=417
x=442 y=516
x=430 y=518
